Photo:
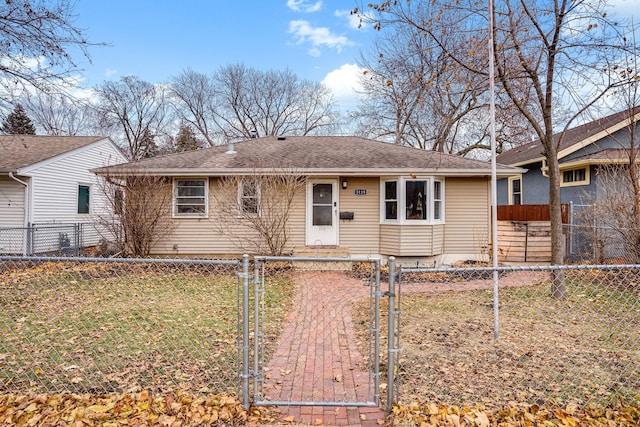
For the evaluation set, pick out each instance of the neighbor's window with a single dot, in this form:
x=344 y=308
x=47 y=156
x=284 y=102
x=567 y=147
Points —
x=249 y=197
x=83 y=199
x=577 y=176
x=416 y=199
x=190 y=197
x=515 y=185
x=391 y=200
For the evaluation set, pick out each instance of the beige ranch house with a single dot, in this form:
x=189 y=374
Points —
x=361 y=198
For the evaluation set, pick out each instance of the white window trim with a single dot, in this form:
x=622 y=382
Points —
x=586 y=181
x=442 y=203
x=511 y=179
x=401 y=200
x=241 y=195
x=174 y=213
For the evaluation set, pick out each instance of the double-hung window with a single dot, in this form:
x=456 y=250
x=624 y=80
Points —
x=390 y=200
x=190 y=197
x=413 y=200
x=515 y=191
x=438 y=201
x=249 y=196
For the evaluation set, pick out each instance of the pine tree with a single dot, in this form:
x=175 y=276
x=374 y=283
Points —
x=186 y=139
x=18 y=123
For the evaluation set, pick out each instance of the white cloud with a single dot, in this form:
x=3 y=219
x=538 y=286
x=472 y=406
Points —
x=357 y=21
x=304 y=6
x=317 y=36
x=345 y=84
x=625 y=8
x=110 y=72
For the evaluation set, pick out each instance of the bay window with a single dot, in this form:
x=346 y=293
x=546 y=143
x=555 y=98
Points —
x=421 y=200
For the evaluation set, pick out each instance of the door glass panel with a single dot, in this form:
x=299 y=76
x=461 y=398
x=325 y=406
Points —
x=322 y=204
x=322 y=215
x=322 y=194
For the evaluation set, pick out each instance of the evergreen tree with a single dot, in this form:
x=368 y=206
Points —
x=148 y=144
x=186 y=139
x=18 y=123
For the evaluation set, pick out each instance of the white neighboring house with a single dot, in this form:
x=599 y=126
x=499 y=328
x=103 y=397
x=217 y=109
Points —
x=48 y=192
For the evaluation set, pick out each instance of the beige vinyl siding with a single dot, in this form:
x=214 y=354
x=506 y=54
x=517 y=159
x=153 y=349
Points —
x=361 y=236
x=202 y=236
x=411 y=240
x=12 y=204
x=467 y=215
x=297 y=221
x=416 y=240
x=389 y=239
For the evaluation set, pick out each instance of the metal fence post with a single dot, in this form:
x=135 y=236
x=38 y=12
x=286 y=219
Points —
x=391 y=333
x=31 y=231
x=376 y=354
x=245 y=331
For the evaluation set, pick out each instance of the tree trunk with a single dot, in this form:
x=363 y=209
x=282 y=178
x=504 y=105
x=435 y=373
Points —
x=558 y=287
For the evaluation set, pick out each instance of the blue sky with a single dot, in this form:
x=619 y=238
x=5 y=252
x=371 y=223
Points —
x=157 y=39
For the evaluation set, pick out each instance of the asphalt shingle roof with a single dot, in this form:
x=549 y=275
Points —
x=303 y=153
x=533 y=150
x=19 y=151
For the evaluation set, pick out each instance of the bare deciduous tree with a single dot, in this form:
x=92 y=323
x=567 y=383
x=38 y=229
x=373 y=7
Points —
x=415 y=93
x=36 y=40
x=135 y=108
x=550 y=56
x=56 y=113
x=239 y=102
x=141 y=211
x=615 y=207
x=254 y=210
x=195 y=101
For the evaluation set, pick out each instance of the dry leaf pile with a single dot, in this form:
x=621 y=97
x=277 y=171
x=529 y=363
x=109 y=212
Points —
x=142 y=409
x=433 y=415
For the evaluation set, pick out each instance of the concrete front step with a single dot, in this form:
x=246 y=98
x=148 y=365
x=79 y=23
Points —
x=322 y=252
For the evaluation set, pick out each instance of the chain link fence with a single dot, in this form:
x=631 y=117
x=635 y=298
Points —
x=44 y=239
x=328 y=350
x=121 y=325
x=92 y=325
x=580 y=347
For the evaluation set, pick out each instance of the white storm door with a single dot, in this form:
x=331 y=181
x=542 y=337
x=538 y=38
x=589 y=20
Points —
x=322 y=213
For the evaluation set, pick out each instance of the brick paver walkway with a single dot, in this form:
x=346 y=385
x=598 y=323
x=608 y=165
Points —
x=318 y=356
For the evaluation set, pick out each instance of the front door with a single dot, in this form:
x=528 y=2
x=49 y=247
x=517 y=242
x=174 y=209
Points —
x=322 y=213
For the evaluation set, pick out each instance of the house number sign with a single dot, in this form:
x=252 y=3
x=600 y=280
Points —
x=360 y=191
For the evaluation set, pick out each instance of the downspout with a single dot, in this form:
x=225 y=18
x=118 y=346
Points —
x=27 y=205
x=27 y=208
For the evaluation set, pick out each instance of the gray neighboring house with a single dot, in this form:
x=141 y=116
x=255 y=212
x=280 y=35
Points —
x=46 y=181
x=363 y=197
x=583 y=149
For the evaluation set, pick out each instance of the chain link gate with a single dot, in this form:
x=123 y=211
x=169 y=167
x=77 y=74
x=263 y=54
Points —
x=325 y=349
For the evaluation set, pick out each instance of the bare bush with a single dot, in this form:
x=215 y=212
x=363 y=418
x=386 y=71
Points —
x=254 y=210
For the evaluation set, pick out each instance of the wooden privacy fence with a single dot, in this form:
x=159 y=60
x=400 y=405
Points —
x=524 y=232
x=530 y=213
